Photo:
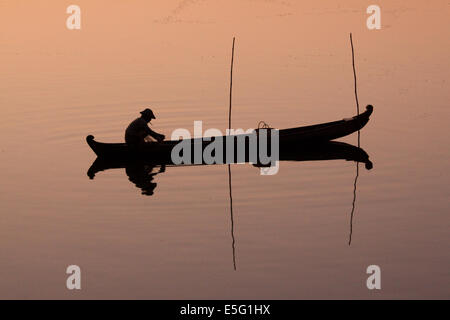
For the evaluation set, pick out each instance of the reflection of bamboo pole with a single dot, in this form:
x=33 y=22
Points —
x=353 y=204
x=231 y=215
x=229 y=165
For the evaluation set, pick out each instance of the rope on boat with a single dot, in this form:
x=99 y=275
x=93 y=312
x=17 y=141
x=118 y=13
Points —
x=263 y=125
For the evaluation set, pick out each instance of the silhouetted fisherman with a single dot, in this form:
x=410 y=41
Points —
x=138 y=130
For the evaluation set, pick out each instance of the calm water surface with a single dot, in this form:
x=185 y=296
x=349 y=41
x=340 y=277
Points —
x=291 y=230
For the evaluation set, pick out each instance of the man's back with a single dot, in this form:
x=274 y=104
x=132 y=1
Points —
x=136 y=131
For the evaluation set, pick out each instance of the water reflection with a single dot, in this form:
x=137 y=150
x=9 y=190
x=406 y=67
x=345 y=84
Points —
x=142 y=173
x=353 y=204
x=354 y=192
x=233 y=241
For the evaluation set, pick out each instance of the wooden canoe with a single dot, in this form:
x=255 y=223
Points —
x=291 y=138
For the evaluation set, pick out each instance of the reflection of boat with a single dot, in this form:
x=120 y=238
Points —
x=288 y=139
x=322 y=151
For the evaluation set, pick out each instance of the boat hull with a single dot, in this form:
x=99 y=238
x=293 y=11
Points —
x=290 y=139
x=324 y=151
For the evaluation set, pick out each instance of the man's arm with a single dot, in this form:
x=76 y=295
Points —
x=159 y=137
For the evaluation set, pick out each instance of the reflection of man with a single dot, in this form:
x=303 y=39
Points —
x=138 y=130
x=141 y=175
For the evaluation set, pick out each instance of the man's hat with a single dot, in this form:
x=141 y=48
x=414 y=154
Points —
x=148 y=113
